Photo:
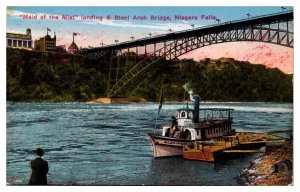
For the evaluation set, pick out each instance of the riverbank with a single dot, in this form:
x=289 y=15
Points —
x=275 y=168
x=130 y=100
x=120 y=100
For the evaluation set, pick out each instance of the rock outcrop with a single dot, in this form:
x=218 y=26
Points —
x=275 y=168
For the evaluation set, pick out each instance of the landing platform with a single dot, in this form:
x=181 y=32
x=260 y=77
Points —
x=242 y=142
x=119 y=100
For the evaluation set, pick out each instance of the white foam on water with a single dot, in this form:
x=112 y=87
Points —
x=263 y=109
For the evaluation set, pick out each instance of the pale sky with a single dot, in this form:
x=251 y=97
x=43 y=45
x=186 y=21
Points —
x=94 y=32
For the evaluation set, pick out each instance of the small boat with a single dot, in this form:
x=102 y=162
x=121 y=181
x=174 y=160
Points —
x=190 y=127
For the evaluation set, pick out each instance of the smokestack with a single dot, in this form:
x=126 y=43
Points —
x=28 y=31
x=196 y=109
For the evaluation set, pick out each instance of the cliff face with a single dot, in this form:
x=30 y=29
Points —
x=39 y=76
x=231 y=80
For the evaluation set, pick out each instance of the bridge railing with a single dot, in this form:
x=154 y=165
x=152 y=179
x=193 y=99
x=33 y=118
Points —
x=197 y=28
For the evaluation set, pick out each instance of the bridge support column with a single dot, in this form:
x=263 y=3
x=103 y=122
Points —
x=165 y=47
x=287 y=33
x=170 y=46
x=117 y=73
x=109 y=73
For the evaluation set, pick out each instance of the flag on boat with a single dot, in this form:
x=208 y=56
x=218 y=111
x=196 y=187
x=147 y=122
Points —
x=161 y=99
x=48 y=29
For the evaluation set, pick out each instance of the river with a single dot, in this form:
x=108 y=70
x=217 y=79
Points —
x=106 y=144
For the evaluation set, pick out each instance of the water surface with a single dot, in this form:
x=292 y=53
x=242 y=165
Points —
x=106 y=144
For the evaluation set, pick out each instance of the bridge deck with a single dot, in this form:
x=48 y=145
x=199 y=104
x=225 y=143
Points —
x=206 y=29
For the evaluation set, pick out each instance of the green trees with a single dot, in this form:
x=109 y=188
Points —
x=242 y=81
x=219 y=80
x=37 y=76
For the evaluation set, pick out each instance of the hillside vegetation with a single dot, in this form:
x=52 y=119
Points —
x=36 y=76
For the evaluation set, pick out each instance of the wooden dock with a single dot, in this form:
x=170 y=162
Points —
x=242 y=151
x=242 y=142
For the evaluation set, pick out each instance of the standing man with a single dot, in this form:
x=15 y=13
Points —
x=39 y=169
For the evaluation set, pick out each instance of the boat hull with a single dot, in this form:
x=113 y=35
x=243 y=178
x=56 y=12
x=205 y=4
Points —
x=167 y=146
x=200 y=156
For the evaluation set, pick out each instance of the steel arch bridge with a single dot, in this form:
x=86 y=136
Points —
x=274 y=28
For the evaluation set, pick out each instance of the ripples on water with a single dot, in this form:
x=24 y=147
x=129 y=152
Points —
x=106 y=144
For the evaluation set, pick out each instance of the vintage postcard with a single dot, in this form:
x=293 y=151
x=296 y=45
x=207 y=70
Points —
x=149 y=95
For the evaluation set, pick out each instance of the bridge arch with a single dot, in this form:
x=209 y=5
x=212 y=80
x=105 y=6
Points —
x=273 y=29
x=180 y=47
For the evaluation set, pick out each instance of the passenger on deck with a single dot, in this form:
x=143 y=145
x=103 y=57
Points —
x=177 y=133
x=189 y=115
x=174 y=121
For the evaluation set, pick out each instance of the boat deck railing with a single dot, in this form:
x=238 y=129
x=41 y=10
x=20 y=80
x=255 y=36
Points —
x=211 y=122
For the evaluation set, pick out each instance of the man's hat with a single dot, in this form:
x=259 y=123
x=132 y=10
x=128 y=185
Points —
x=39 y=151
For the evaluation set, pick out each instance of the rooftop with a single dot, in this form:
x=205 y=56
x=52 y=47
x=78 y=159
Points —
x=73 y=46
x=18 y=36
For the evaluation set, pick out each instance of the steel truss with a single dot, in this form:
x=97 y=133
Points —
x=274 y=29
x=260 y=33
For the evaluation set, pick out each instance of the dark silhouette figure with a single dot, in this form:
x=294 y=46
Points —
x=39 y=169
x=174 y=121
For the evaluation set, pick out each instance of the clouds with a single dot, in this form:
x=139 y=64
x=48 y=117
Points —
x=128 y=24
x=159 y=26
x=255 y=52
x=92 y=32
x=14 y=13
x=90 y=35
x=17 y=14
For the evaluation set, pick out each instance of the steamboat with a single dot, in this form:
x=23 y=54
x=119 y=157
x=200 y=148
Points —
x=187 y=128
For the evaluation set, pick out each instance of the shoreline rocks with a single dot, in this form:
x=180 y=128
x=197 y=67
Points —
x=275 y=168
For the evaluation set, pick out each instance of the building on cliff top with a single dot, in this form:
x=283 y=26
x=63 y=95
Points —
x=19 y=41
x=73 y=48
x=46 y=44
